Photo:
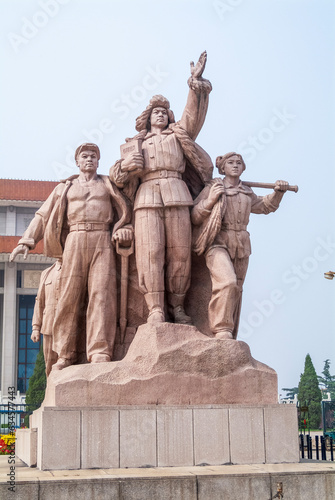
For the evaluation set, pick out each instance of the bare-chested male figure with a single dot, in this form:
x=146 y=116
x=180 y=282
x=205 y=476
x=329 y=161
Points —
x=78 y=222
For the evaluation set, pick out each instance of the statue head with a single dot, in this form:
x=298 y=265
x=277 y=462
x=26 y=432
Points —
x=87 y=157
x=87 y=146
x=157 y=101
x=220 y=161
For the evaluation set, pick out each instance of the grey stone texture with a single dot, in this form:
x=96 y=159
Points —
x=159 y=488
x=26 y=446
x=175 y=437
x=233 y=488
x=300 y=481
x=100 y=449
x=60 y=437
x=306 y=486
x=211 y=436
x=138 y=438
x=23 y=491
x=281 y=434
x=247 y=435
x=80 y=490
x=157 y=436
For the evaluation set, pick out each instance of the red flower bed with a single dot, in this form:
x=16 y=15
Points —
x=5 y=449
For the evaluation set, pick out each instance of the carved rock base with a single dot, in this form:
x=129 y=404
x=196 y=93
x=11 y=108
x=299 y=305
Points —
x=168 y=364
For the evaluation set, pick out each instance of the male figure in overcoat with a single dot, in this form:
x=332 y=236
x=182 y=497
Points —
x=78 y=222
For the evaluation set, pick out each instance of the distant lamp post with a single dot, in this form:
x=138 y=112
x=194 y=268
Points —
x=330 y=275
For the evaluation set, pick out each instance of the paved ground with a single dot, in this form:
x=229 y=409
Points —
x=300 y=481
x=24 y=473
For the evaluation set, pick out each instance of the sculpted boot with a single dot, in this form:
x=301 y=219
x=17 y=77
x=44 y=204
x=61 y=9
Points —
x=155 y=303
x=176 y=304
x=61 y=363
x=225 y=334
x=100 y=358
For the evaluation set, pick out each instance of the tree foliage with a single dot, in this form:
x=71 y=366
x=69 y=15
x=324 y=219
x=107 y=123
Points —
x=36 y=388
x=310 y=394
x=328 y=380
x=290 y=392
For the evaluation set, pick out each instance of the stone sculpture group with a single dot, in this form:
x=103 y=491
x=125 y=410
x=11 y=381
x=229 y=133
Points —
x=161 y=196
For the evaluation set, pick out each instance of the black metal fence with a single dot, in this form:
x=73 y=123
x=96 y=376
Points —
x=323 y=448
x=11 y=414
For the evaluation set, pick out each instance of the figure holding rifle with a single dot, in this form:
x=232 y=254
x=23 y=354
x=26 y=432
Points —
x=220 y=216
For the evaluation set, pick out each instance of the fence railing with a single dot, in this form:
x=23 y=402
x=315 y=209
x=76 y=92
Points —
x=11 y=414
x=321 y=449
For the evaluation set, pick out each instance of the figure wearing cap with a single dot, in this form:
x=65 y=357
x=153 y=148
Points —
x=221 y=215
x=78 y=224
x=162 y=178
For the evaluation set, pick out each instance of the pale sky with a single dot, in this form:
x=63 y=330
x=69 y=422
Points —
x=82 y=70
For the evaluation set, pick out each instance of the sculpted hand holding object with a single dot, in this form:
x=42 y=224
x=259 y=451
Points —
x=153 y=176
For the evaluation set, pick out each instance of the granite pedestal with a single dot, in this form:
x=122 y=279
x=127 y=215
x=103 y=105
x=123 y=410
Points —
x=178 y=398
x=160 y=436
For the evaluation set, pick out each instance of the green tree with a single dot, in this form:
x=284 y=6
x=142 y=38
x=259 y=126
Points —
x=36 y=388
x=290 y=392
x=328 y=380
x=310 y=394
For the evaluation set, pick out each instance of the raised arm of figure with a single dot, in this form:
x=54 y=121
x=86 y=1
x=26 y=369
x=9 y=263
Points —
x=196 y=107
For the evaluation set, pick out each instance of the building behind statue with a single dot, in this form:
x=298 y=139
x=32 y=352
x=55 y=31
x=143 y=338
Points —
x=19 y=200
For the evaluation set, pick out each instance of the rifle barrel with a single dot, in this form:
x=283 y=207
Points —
x=267 y=185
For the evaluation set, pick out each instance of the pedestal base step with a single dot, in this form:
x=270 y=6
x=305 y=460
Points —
x=154 y=436
x=236 y=482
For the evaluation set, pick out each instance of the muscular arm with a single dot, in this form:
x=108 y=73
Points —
x=37 y=227
x=117 y=176
x=199 y=211
x=196 y=107
x=269 y=203
x=125 y=173
x=35 y=231
x=266 y=204
x=206 y=201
